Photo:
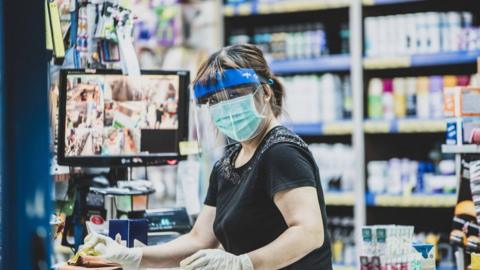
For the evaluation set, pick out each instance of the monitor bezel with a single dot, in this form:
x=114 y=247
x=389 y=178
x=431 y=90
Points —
x=130 y=160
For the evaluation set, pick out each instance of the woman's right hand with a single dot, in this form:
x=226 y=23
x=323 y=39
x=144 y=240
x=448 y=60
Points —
x=108 y=249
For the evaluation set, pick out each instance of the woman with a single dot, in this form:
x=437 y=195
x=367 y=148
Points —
x=264 y=204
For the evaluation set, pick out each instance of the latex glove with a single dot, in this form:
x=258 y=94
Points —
x=108 y=249
x=216 y=259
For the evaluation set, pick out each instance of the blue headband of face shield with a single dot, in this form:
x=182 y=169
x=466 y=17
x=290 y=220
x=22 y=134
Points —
x=228 y=79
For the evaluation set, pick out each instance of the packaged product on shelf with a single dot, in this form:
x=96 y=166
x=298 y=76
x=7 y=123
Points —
x=420 y=97
x=404 y=177
x=387 y=100
x=420 y=33
x=386 y=247
x=324 y=98
x=289 y=42
x=336 y=164
x=375 y=92
x=343 y=240
x=436 y=97
x=461 y=101
x=423 y=103
x=399 y=97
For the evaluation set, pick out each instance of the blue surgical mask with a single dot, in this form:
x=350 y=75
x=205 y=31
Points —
x=237 y=118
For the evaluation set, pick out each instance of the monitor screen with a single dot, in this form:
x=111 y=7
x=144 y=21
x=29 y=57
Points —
x=110 y=119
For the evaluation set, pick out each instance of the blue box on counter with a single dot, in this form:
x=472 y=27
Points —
x=129 y=230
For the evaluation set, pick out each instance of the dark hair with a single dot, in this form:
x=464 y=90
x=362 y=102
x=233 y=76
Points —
x=243 y=56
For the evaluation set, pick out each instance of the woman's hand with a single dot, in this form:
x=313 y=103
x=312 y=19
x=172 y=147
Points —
x=216 y=259
x=108 y=249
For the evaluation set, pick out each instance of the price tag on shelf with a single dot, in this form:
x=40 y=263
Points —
x=374 y=126
x=387 y=62
x=338 y=128
x=408 y=126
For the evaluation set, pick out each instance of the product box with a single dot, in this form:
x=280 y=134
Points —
x=463 y=131
x=461 y=101
x=423 y=257
x=129 y=230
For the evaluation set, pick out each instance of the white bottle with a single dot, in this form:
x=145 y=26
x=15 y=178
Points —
x=331 y=98
x=433 y=30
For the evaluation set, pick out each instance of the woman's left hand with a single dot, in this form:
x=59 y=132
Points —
x=216 y=259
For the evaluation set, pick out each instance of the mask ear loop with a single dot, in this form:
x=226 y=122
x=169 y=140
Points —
x=261 y=113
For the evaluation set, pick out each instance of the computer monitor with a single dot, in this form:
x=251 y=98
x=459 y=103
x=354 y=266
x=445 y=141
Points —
x=108 y=119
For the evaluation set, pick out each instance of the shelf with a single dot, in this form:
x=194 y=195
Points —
x=461 y=149
x=330 y=63
x=318 y=129
x=339 y=198
x=255 y=8
x=386 y=2
x=426 y=201
x=405 y=126
x=343 y=267
x=421 y=60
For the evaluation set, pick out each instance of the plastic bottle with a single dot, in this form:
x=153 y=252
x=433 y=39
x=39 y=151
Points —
x=436 y=97
x=387 y=99
x=423 y=103
x=347 y=98
x=331 y=98
x=449 y=81
x=375 y=91
x=394 y=178
x=345 y=38
x=399 y=97
x=411 y=96
x=463 y=80
x=376 y=176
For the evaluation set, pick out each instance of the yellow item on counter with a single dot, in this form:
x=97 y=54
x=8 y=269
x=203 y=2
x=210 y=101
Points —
x=83 y=252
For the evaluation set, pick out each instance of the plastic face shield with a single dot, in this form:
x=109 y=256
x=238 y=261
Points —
x=227 y=108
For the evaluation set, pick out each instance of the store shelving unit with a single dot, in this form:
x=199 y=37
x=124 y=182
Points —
x=339 y=198
x=254 y=8
x=386 y=2
x=405 y=126
x=319 y=129
x=343 y=267
x=411 y=138
x=421 y=60
x=461 y=149
x=371 y=139
x=330 y=63
x=412 y=201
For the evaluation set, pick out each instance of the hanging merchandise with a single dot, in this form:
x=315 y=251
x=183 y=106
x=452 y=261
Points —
x=99 y=34
x=160 y=25
x=54 y=32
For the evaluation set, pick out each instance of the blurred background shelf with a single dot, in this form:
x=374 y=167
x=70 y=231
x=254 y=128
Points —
x=340 y=198
x=405 y=126
x=386 y=2
x=318 y=129
x=461 y=149
x=255 y=8
x=330 y=63
x=343 y=267
x=421 y=60
x=427 y=201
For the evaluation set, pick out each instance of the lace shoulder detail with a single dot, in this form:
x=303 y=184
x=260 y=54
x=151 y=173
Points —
x=226 y=167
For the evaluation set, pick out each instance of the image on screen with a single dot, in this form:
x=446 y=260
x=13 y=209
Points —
x=117 y=115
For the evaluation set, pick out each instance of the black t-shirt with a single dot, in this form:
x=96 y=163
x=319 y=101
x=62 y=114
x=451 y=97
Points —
x=246 y=216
